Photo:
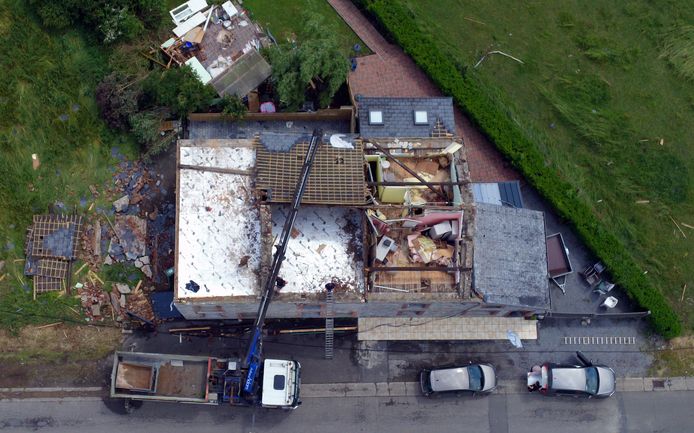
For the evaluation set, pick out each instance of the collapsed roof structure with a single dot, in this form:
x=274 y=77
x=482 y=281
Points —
x=220 y=44
x=388 y=220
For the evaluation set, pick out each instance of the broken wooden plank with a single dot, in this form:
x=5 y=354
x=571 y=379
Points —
x=81 y=268
x=409 y=170
x=49 y=325
x=216 y=169
x=678 y=226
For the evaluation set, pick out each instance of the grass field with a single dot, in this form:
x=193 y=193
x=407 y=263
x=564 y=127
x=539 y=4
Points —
x=603 y=89
x=284 y=18
x=47 y=108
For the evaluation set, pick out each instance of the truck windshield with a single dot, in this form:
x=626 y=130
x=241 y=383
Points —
x=297 y=384
x=476 y=378
x=592 y=381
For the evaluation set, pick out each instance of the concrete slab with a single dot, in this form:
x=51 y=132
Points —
x=412 y=388
x=678 y=384
x=382 y=389
x=360 y=390
x=320 y=390
x=630 y=384
x=397 y=389
x=690 y=383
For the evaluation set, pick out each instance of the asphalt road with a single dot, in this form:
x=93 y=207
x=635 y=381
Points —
x=642 y=412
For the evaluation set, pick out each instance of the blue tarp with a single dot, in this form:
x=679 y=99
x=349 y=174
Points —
x=162 y=304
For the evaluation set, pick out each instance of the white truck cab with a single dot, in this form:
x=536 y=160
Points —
x=281 y=381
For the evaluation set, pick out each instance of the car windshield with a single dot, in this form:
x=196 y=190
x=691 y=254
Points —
x=476 y=377
x=592 y=381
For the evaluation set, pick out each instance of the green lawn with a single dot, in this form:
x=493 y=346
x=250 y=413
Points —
x=284 y=19
x=609 y=110
x=47 y=108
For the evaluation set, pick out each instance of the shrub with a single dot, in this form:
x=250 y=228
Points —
x=116 y=98
x=111 y=20
x=180 y=90
x=233 y=107
x=470 y=94
x=145 y=127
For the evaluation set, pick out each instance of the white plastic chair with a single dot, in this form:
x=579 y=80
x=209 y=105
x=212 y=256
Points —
x=609 y=302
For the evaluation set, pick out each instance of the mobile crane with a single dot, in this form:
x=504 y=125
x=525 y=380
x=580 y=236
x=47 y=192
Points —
x=211 y=380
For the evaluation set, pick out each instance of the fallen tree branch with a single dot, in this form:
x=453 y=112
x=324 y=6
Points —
x=498 y=52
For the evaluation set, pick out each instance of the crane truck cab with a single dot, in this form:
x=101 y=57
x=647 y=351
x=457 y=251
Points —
x=281 y=382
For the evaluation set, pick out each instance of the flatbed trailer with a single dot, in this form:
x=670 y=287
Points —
x=201 y=380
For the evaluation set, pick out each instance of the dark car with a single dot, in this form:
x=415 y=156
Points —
x=585 y=380
x=473 y=378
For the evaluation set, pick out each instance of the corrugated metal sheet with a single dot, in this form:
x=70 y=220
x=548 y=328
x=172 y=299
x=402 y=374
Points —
x=510 y=193
x=246 y=74
x=486 y=193
x=502 y=193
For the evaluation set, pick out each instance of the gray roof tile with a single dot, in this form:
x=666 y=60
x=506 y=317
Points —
x=398 y=116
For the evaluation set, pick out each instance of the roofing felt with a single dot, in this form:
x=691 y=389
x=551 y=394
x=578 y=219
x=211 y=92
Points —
x=399 y=118
x=510 y=259
x=218 y=226
x=337 y=175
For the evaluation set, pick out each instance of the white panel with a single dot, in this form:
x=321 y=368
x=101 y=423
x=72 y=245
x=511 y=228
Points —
x=486 y=193
x=189 y=24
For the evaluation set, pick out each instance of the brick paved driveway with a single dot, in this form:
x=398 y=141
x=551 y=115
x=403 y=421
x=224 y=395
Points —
x=390 y=72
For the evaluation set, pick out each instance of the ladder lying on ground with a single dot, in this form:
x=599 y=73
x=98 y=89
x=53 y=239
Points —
x=599 y=340
x=329 y=324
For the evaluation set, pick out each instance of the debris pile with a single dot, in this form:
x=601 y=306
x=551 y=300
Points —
x=93 y=298
x=139 y=205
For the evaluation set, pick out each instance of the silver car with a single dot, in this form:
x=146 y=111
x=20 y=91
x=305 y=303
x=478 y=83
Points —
x=474 y=378
x=587 y=380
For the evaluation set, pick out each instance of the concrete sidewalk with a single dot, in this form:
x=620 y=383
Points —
x=367 y=389
x=411 y=389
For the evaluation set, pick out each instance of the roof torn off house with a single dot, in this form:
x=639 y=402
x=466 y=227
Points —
x=50 y=251
x=390 y=221
x=220 y=44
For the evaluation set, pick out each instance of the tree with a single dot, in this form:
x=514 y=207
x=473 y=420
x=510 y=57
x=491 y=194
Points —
x=233 y=107
x=111 y=20
x=180 y=90
x=145 y=127
x=116 y=97
x=315 y=62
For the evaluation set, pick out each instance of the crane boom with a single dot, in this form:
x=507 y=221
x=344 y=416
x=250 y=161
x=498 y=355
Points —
x=253 y=357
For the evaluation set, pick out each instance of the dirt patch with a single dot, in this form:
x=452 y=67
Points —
x=676 y=359
x=57 y=356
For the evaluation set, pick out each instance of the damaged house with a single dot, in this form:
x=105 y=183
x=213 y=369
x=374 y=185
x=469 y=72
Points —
x=221 y=45
x=388 y=220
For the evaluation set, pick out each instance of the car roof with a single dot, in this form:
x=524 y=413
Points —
x=569 y=378
x=450 y=379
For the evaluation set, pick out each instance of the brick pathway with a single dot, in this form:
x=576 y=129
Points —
x=390 y=72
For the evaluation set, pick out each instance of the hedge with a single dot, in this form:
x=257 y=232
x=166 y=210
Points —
x=493 y=120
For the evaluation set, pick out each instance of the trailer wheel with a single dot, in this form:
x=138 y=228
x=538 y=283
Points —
x=131 y=405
